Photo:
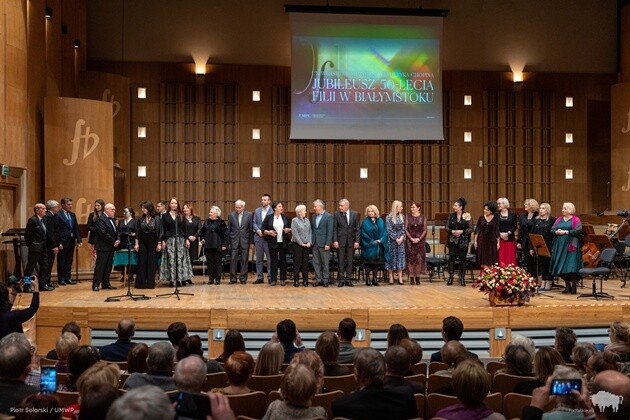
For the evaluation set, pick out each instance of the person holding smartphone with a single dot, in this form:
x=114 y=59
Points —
x=11 y=321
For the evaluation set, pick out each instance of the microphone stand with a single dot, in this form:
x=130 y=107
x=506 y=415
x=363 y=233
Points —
x=128 y=295
x=176 y=292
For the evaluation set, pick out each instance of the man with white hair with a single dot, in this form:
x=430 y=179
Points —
x=54 y=244
x=241 y=234
x=346 y=238
x=322 y=228
x=143 y=403
x=190 y=374
x=105 y=243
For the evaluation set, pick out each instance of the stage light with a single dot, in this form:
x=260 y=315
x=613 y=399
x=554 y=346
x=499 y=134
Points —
x=49 y=12
x=142 y=132
x=77 y=43
x=200 y=69
x=568 y=102
x=467 y=137
x=363 y=173
x=468 y=100
x=517 y=76
x=467 y=173
x=256 y=172
x=568 y=174
x=255 y=96
x=568 y=137
x=255 y=133
x=142 y=93
x=142 y=171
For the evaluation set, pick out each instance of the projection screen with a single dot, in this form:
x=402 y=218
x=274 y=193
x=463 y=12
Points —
x=365 y=77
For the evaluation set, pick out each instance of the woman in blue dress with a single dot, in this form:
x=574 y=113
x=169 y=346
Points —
x=395 y=224
x=374 y=244
x=566 y=252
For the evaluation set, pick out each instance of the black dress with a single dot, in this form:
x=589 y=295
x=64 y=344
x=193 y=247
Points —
x=487 y=234
x=214 y=233
x=525 y=227
x=147 y=233
x=191 y=228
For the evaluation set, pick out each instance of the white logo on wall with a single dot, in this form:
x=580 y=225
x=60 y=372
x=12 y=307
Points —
x=76 y=143
x=106 y=98
x=604 y=399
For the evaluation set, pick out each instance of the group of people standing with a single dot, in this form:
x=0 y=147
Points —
x=500 y=232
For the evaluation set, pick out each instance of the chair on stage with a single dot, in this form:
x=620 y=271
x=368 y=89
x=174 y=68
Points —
x=602 y=273
x=435 y=264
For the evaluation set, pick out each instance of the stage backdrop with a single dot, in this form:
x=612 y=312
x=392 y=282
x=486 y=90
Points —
x=78 y=150
x=620 y=146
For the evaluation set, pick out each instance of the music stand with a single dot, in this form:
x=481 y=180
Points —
x=540 y=250
x=129 y=295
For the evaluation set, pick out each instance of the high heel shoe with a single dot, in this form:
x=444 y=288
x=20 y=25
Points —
x=450 y=280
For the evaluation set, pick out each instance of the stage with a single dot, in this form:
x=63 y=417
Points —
x=258 y=307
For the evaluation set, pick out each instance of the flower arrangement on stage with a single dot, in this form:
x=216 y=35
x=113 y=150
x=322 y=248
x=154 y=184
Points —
x=511 y=284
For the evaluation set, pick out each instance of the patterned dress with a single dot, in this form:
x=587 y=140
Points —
x=416 y=254
x=395 y=229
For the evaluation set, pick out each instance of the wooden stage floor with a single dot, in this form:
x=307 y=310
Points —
x=260 y=307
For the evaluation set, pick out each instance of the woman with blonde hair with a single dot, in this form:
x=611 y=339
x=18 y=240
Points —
x=270 y=359
x=65 y=344
x=566 y=253
x=542 y=226
x=507 y=230
x=374 y=244
x=311 y=360
x=619 y=333
x=395 y=224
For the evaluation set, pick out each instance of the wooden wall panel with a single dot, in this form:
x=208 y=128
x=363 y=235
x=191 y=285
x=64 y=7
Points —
x=620 y=146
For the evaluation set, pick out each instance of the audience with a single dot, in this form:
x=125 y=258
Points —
x=414 y=350
x=600 y=362
x=39 y=407
x=175 y=332
x=564 y=343
x=287 y=334
x=581 y=353
x=15 y=362
x=190 y=374
x=34 y=375
x=97 y=401
x=137 y=359
x=619 y=334
x=567 y=406
x=65 y=344
x=117 y=351
x=71 y=327
x=239 y=368
x=270 y=359
x=143 y=403
x=297 y=388
x=545 y=361
x=614 y=383
x=518 y=361
x=452 y=330
x=311 y=360
x=79 y=360
x=346 y=331
x=452 y=353
x=101 y=373
x=471 y=384
x=327 y=347
x=233 y=341
x=160 y=372
x=396 y=333
x=526 y=342
x=397 y=365
x=371 y=400
x=191 y=344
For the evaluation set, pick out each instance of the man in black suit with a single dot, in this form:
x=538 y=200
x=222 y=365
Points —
x=371 y=400
x=105 y=244
x=15 y=365
x=118 y=350
x=36 y=237
x=70 y=237
x=241 y=234
x=346 y=238
x=54 y=243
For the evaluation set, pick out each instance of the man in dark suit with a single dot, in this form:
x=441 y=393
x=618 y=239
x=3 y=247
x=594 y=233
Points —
x=241 y=234
x=70 y=237
x=261 y=245
x=105 y=244
x=322 y=228
x=54 y=243
x=117 y=351
x=346 y=238
x=36 y=237
x=371 y=400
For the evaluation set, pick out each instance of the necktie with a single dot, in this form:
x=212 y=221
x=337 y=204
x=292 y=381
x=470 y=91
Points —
x=345 y=216
x=41 y=222
x=69 y=219
x=240 y=219
x=113 y=224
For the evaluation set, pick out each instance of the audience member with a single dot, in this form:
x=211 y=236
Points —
x=371 y=400
x=580 y=355
x=117 y=351
x=471 y=384
x=15 y=362
x=175 y=332
x=79 y=360
x=38 y=407
x=564 y=343
x=396 y=333
x=287 y=334
x=298 y=387
x=101 y=373
x=233 y=341
x=545 y=361
x=65 y=344
x=191 y=344
x=96 y=403
x=567 y=406
x=452 y=330
x=397 y=365
x=270 y=359
x=526 y=342
x=160 y=373
x=34 y=375
x=600 y=362
x=614 y=383
x=12 y=320
x=346 y=331
x=239 y=368
x=414 y=350
x=619 y=334
x=311 y=360
x=453 y=353
x=190 y=374
x=327 y=347
x=71 y=327
x=143 y=403
x=518 y=361
x=137 y=359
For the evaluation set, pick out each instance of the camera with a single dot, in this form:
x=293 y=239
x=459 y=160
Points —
x=15 y=284
x=623 y=213
x=565 y=386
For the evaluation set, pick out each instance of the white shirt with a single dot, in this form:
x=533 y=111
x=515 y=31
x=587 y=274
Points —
x=278 y=225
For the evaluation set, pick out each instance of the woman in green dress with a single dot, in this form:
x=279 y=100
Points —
x=566 y=254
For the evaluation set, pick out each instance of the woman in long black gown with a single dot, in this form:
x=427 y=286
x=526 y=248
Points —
x=148 y=231
x=542 y=226
x=487 y=236
x=459 y=229
x=192 y=224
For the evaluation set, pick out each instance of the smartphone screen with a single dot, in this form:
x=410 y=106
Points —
x=48 y=381
x=192 y=406
x=565 y=386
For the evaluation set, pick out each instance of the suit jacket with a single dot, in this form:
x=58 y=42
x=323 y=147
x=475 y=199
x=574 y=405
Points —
x=54 y=239
x=67 y=230
x=273 y=240
x=323 y=234
x=106 y=234
x=376 y=403
x=116 y=351
x=258 y=221
x=35 y=236
x=240 y=236
x=346 y=233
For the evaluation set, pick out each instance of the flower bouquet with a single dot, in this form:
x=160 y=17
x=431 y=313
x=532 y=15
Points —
x=506 y=285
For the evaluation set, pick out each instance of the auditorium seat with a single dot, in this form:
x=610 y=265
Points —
x=345 y=383
x=420 y=368
x=493 y=366
x=253 y=404
x=513 y=404
x=215 y=380
x=437 y=382
x=436 y=367
x=325 y=400
x=505 y=383
x=264 y=383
